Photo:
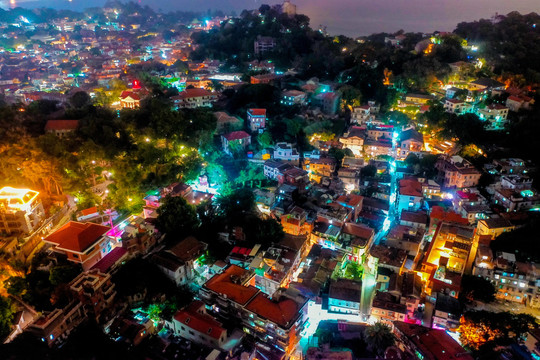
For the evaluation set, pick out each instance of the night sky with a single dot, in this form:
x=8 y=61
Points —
x=349 y=17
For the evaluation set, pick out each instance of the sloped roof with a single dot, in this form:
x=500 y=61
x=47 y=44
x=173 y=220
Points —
x=228 y=283
x=125 y=94
x=282 y=312
x=188 y=249
x=76 y=236
x=487 y=82
x=433 y=344
x=410 y=187
x=202 y=323
x=236 y=135
x=110 y=259
x=412 y=134
x=358 y=230
x=62 y=125
x=257 y=112
x=89 y=211
x=195 y=92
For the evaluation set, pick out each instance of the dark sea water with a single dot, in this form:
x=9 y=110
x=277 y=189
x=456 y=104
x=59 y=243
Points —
x=349 y=17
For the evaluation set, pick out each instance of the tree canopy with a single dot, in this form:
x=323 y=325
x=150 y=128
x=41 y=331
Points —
x=176 y=218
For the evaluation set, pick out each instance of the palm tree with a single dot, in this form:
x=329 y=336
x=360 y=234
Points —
x=379 y=337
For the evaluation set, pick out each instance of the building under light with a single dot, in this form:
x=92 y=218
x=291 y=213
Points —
x=21 y=211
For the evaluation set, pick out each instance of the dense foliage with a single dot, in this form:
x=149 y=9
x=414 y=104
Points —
x=483 y=330
x=511 y=44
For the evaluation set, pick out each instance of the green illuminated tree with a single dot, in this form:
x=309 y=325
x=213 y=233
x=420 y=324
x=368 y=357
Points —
x=7 y=311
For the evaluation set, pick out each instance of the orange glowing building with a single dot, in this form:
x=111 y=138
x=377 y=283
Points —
x=21 y=210
x=450 y=254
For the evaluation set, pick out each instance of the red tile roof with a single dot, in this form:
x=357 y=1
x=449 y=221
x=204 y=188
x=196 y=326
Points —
x=89 y=211
x=195 y=92
x=497 y=107
x=282 y=312
x=467 y=195
x=257 y=112
x=125 y=94
x=236 y=135
x=110 y=259
x=433 y=344
x=227 y=283
x=351 y=199
x=202 y=323
x=358 y=230
x=76 y=236
x=62 y=125
x=515 y=98
x=410 y=187
x=437 y=212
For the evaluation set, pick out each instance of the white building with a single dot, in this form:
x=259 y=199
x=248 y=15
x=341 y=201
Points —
x=495 y=114
x=284 y=151
x=458 y=107
x=344 y=296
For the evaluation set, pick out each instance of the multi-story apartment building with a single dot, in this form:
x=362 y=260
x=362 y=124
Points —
x=409 y=196
x=515 y=200
x=328 y=102
x=256 y=119
x=457 y=172
x=194 y=98
x=285 y=152
x=353 y=139
x=95 y=291
x=324 y=166
x=451 y=252
x=421 y=342
x=194 y=324
x=294 y=97
x=21 y=211
x=295 y=222
x=356 y=239
x=274 y=268
x=263 y=44
x=376 y=148
x=513 y=280
x=387 y=308
x=446 y=312
x=361 y=114
x=495 y=115
x=380 y=132
x=275 y=323
x=410 y=141
x=456 y=106
x=238 y=139
x=516 y=182
x=344 y=296
x=493 y=227
x=181 y=262
x=53 y=328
